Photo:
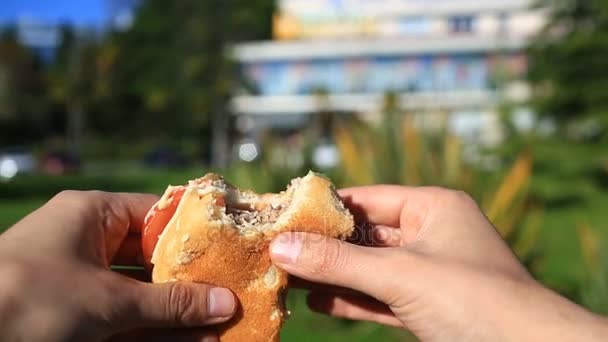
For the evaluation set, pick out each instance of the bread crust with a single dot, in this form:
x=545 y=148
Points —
x=197 y=246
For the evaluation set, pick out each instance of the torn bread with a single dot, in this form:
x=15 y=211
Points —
x=220 y=235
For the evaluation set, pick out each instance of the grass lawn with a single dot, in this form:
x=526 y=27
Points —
x=23 y=195
x=12 y=211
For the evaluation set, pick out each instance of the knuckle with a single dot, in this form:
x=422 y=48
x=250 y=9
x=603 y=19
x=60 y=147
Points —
x=79 y=196
x=113 y=215
x=180 y=304
x=464 y=199
x=454 y=197
x=462 y=196
x=95 y=194
x=333 y=257
x=95 y=204
x=441 y=193
x=68 y=196
x=80 y=201
x=95 y=197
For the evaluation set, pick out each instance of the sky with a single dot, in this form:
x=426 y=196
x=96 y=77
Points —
x=77 y=12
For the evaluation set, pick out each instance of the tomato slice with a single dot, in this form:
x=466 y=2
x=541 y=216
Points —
x=155 y=223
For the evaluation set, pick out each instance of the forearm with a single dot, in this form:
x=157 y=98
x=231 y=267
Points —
x=566 y=320
x=539 y=314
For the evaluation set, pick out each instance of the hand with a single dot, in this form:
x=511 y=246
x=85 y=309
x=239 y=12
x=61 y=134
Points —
x=56 y=283
x=436 y=267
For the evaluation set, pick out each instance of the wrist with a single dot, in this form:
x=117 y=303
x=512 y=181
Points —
x=548 y=316
x=575 y=322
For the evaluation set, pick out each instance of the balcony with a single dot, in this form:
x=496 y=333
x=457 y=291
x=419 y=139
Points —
x=300 y=104
x=362 y=47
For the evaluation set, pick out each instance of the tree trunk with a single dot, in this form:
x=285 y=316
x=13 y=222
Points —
x=76 y=124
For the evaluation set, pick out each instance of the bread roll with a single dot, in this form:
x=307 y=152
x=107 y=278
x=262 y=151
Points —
x=220 y=235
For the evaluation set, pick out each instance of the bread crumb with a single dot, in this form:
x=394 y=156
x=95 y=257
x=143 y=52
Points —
x=185 y=257
x=166 y=199
x=271 y=278
x=276 y=314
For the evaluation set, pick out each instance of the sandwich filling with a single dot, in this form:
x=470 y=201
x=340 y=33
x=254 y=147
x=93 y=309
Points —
x=243 y=210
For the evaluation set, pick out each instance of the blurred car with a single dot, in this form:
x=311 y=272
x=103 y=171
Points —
x=14 y=161
x=165 y=157
x=325 y=154
x=60 y=162
x=246 y=150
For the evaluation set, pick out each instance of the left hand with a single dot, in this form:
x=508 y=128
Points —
x=56 y=283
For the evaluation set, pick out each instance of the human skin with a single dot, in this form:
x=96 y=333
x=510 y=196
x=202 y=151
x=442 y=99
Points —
x=436 y=267
x=56 y=283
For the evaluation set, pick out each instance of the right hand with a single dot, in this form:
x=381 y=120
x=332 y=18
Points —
x=437 y=267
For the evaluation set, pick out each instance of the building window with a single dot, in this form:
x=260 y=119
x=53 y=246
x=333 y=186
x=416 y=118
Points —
x=503 y=23
x=461 y=24
x=414 y=26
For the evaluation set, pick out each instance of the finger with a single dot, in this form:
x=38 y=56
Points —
x=388 y=205
x=76 y=221
x=376 y=236
x=121 y=213
x=135 y=206
x=384 y=236
x=129 y=208
x=129 y=253
x=353 y=307
x=176 y=304
x=299 y=283
x=107 y=217
x=163 y=335
x=321 y=259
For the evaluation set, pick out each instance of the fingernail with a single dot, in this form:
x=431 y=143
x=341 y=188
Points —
x=189 y=337
x=221 y=302
x=210 y=338
x=286 y=248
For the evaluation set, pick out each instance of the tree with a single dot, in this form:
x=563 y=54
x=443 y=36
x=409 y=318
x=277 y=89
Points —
x=569 y=78
x=22 y=92
x=568 y=64
x=567 y=70
x=172 y=74
x=73 y=79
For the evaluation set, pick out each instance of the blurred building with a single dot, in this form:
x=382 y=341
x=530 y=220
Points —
x=451 y=62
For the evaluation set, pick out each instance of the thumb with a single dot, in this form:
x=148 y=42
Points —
x=325 y=260
x=175 y=304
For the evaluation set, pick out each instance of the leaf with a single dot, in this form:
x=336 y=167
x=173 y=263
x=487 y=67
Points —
x=514 y=183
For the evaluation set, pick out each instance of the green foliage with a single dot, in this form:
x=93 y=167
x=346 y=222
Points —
x=22 y=89
x=169 y=72
x=568 y=62
x=568 y=76
x=306 y=326
x=161 y=80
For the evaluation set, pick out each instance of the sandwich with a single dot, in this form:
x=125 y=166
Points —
x=212 y=232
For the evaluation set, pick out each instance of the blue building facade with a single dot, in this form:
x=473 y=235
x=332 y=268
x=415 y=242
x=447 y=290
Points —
x=451 y=56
